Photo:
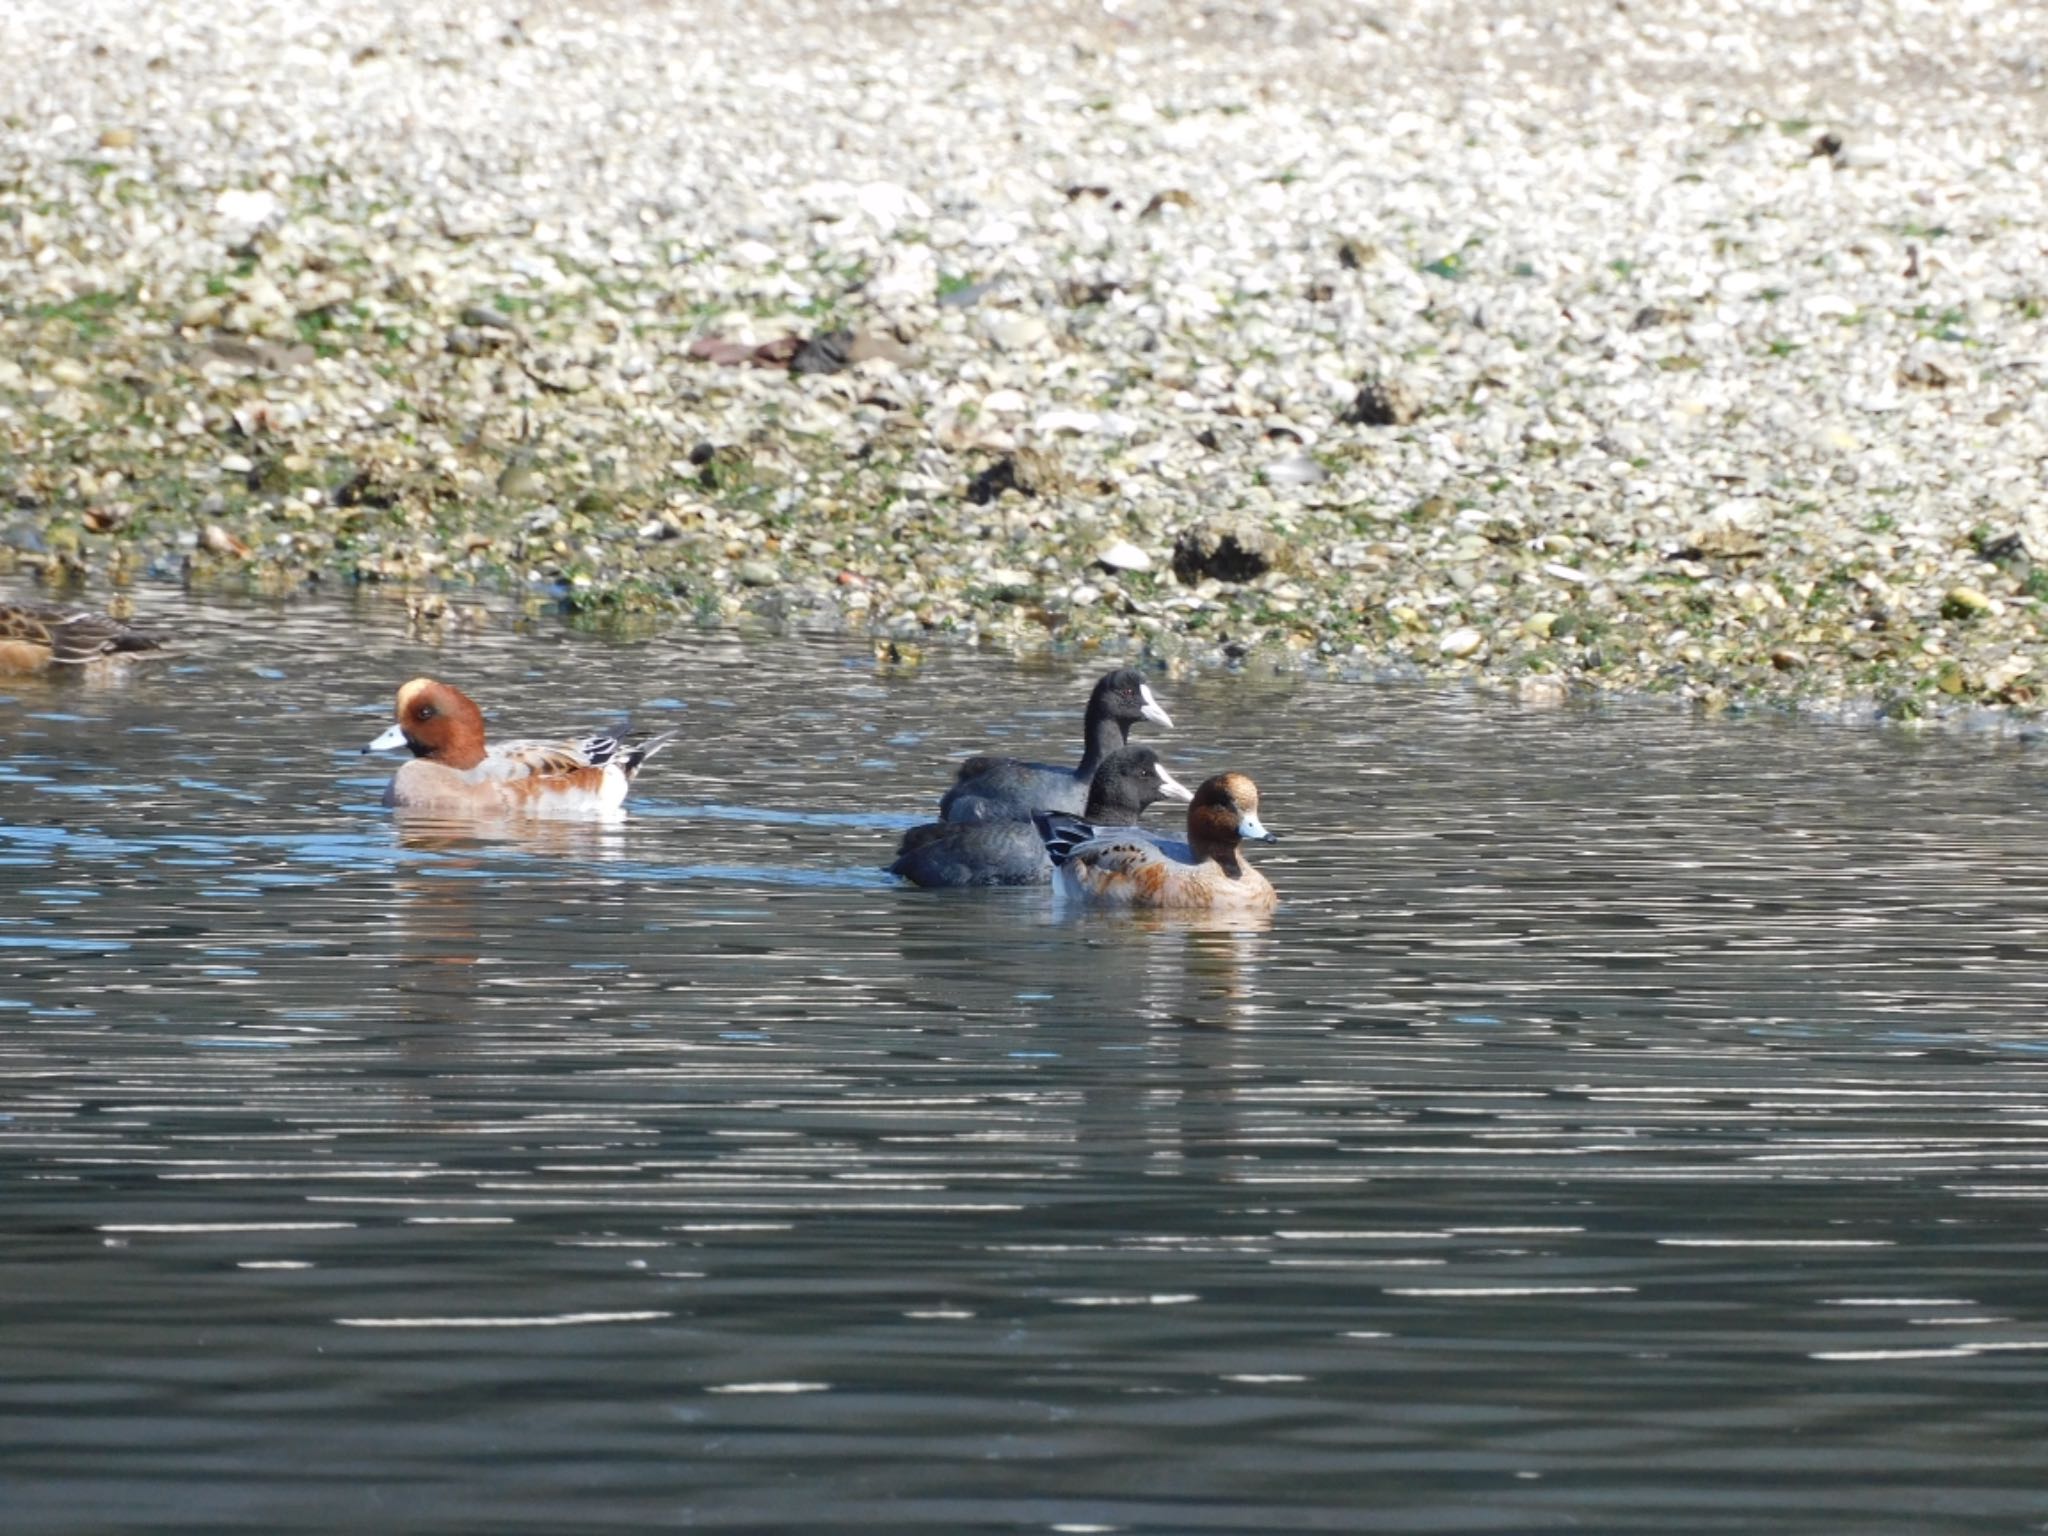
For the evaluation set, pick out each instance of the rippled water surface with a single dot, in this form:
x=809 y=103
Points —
x=1628 y=1123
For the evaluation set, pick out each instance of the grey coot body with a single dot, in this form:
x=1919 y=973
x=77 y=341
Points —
x=1008 y=789
x=968 y=853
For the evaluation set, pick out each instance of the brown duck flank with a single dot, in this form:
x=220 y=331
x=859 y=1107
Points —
x=37 y=636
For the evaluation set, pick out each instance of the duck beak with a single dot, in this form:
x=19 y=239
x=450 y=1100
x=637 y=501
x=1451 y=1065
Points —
x=1252 y=830
x=392 y=739
x=1150 y=708
x=1171 y=787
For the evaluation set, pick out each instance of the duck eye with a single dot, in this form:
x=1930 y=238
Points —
x=424 y=712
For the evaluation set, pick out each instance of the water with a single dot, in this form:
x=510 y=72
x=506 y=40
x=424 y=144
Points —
x=1628 y=1123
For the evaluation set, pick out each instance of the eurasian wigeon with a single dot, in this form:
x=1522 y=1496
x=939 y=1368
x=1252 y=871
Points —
x=453 y=771
x=37 y=637
x=1005 y=789
x=1205 y=873
x=960 y=853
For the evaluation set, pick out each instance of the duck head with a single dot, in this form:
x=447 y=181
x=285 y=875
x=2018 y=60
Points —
x=1223 y=814
x=435 y=721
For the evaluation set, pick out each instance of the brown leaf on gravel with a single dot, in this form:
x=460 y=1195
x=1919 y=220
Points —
x=1925 y=373
x=1719 y=544
x=868 y=346
x=219 y=541
x=257 y=356
x=1172 y=197
x=734 y=354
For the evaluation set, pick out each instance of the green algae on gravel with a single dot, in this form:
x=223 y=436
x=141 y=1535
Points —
x=1622 y=392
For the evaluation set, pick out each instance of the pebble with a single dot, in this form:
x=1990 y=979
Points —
x=1015 y=333
x=1124 y=556
x=1461 y=643
x=1295 y=469
x=2000 y=677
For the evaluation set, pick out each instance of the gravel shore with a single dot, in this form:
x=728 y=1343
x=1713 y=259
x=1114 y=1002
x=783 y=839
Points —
x=1692 y=347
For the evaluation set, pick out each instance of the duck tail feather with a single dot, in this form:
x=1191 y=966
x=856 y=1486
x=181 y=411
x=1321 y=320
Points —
x=1061 y=834
x=78 y=638
x=640 y=751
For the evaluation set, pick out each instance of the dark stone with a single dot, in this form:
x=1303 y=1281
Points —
x=25 y=535
x=267 y=477
x=468 y=341
x=1232 y=551
x=362 y=490
x=2000 y=548
x=1028 y=472
x=1381 y=403
x=825 y=353
x=1083 y=295
x=999 y=477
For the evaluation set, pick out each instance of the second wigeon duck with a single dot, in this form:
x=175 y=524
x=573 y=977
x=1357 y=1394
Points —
x=453 y=771
x=42 y=637
x=966 y=853
x=1206 y=873
x=1006 y=789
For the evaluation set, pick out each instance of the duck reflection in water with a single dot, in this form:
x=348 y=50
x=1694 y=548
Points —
x=439 y=832
x=449 y=890
x=1198 y=967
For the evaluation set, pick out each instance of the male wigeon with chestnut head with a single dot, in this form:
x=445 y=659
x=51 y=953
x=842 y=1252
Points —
x=1209 y=872
x=452 y=770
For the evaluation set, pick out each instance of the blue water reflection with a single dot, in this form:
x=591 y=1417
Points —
x=1628 y=1122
